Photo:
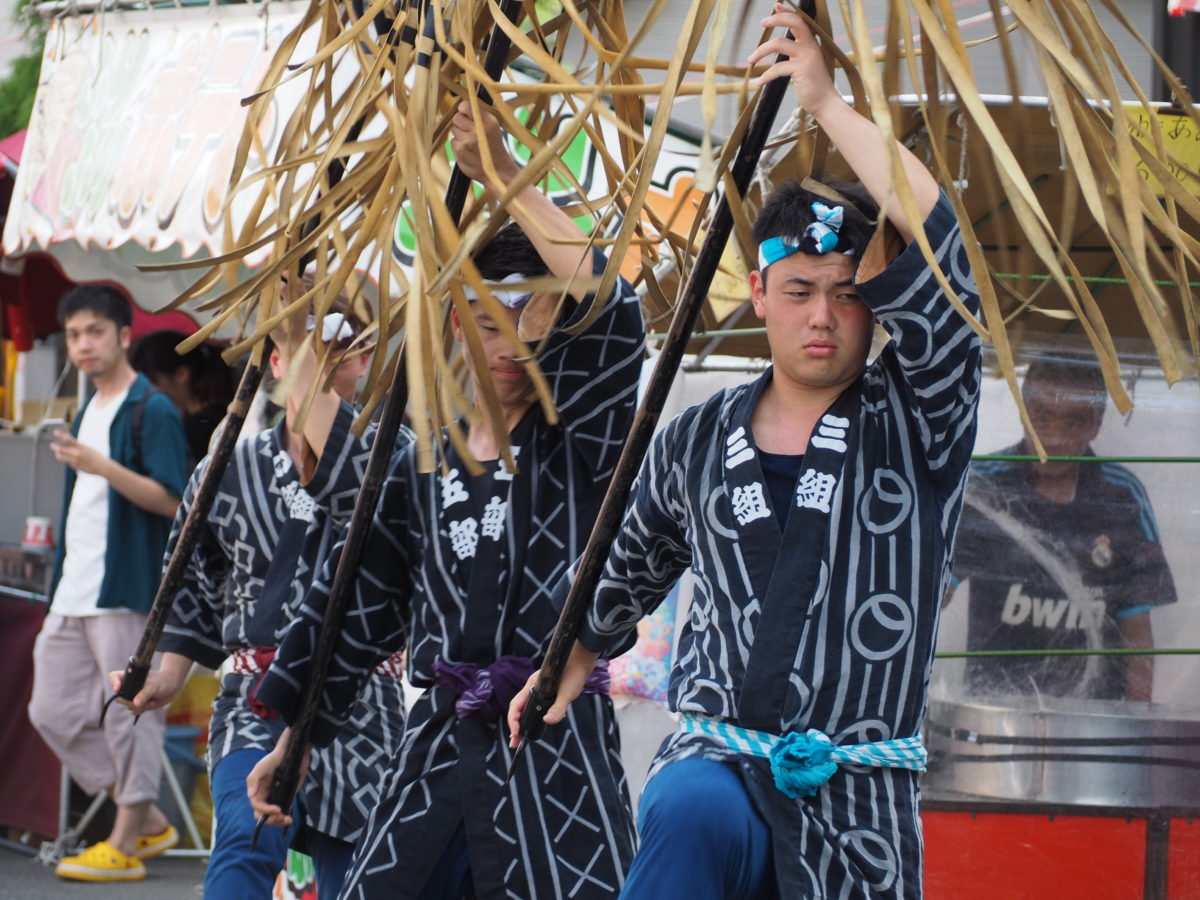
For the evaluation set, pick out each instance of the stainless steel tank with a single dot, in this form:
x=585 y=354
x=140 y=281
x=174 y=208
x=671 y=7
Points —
x=1062 y=750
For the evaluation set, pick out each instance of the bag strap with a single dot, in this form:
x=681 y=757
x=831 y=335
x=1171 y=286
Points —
x=137 y=413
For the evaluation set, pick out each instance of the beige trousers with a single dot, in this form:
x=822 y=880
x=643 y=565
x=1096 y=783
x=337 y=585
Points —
x=71 y=661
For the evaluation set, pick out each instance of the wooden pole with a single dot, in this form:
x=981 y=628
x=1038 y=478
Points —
x=287 y=777
x=612 y=510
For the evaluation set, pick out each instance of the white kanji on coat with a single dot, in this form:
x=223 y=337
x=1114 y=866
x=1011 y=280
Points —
x=503 y=472
x=831 y=433
x=464 y=538
x=452 y=489
x=300 y=505
x=737 y=448
x=749 y=503
x=492 y=522
x=815 y=490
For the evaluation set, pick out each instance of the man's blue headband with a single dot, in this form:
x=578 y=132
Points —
x=822 y=236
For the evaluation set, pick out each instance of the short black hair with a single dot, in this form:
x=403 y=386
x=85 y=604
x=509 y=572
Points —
x=211 y=379
x=1067 y=375
x=787 y=211
x=509 y=252
x=102 y=299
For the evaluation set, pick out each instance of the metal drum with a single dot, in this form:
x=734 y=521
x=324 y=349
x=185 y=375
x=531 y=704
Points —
x=1062 y=750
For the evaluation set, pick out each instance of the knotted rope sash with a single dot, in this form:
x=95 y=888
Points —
x=485 y=692
x=801 y=763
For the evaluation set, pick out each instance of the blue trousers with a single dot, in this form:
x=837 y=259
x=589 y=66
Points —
x=700 y=838
x=233 y=870
x=331 y=860
x=451 y=878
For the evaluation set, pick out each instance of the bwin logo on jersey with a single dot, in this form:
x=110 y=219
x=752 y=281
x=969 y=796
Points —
x=831 y=433
x=1051 y=612
x=738 y=449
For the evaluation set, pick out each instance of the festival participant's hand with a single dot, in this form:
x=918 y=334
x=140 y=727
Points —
x=803 y=62
x=579 y=668
x=162 y=686
x=81 y=458
x=468 y=154
x=258 y=782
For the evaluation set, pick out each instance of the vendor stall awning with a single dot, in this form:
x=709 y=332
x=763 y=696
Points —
x=10 y=152
x=128 y=153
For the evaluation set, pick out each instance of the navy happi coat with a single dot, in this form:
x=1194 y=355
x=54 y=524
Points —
x=829 y=624
x=261 y=512
x=462 y=569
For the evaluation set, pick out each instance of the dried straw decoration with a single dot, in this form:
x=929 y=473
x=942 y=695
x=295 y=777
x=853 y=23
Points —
x=368 y=150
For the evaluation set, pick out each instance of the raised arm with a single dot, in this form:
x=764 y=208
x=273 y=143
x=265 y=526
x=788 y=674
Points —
x=556 y=238
x=592 y=371
x=856 y=137
x=289 y=341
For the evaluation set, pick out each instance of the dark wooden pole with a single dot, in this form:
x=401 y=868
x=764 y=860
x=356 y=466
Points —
x=189 y=533
x=287 y=777
x=612 y=510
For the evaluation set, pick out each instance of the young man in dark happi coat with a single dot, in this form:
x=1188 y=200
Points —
x=816 y=509
x=461 y=568
x=281 y=505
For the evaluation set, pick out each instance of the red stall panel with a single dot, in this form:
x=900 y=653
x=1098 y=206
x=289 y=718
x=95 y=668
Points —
x=1010 y=856
x=1183 y=860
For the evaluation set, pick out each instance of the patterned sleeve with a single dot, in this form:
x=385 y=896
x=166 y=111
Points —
x=373 y=627
x=198 y=613
x=1146 y=581
x=593 y=373
x=934 y=354
x=649 y=554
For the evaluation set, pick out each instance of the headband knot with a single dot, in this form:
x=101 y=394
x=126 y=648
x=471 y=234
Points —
x=508 y=298
x=822 y=236
x=824 y=233
x=334 y=327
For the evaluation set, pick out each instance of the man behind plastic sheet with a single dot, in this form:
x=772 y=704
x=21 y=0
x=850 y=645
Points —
x=127 y=466
x=1062 y=555
x=816 y=508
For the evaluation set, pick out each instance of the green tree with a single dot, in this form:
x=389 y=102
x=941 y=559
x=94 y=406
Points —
x=19 y=87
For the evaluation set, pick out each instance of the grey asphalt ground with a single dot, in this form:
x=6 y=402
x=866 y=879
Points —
x=167 y=878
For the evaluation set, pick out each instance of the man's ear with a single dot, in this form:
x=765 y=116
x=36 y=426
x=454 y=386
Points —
x=456 y=324
x=758 y=288
x=276 y=368
x=125 y=336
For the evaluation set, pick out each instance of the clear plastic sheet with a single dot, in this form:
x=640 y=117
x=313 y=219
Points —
x=1094 y=552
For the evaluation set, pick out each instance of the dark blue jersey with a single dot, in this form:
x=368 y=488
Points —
x=1047 y=575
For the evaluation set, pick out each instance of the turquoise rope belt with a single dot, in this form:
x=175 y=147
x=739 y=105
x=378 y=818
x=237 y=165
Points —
x=801 y=763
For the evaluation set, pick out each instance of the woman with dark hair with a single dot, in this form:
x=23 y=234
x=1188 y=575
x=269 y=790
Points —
x=199 y=382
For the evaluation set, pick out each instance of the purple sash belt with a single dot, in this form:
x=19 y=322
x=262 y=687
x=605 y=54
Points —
x=486 y=692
